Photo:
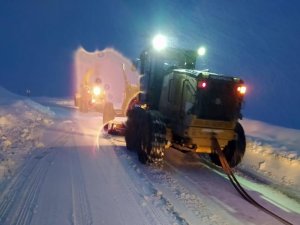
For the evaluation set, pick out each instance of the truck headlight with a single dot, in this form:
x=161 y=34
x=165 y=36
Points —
x=97 y=91
x=159 y=42
x=201 y=51
x=242 y=89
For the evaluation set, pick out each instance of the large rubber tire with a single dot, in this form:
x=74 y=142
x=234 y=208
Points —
x=134 y=127
x=83 y=106
x=153 y=139
x=234 y=150
x=76 y=101
x=83 y=103
x=145 y=133
x=108 y=112
x=145 y=141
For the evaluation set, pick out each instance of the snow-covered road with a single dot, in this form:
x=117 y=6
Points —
x=78 y=175
x=201 y=194
x=74 y=180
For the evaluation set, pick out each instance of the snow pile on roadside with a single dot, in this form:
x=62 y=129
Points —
x=67 y=102
x=285 y=141
x=273 y=153
x=21 y=125
x=7 y=97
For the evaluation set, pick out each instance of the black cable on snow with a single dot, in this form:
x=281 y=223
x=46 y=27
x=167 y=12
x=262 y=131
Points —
x=236 y=184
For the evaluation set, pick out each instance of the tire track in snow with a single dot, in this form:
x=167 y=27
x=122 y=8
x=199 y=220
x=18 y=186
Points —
x=168 y=192
x=25 y=187
x=203 y=194
x=81 y=211
x=148 y=193
x=195 y=205
x=32 y=190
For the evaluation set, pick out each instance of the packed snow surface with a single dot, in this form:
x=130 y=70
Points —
x=22 y=123
x=273 y=153
x=58 y=167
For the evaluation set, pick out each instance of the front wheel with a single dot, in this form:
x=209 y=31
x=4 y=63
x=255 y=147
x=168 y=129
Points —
x=76 y=100
x=134 y=128
x=234 y=150
x=108 y=112
x=153 y=139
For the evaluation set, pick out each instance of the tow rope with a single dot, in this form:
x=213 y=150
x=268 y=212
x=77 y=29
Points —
x=217 y=149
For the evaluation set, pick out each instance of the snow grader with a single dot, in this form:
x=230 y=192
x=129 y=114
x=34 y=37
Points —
x=184 y=108
x=91 y=95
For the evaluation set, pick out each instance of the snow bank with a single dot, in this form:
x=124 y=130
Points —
x=273 y=153
x=21 y=126
x=6 y=96
x=67 y=102
x=285 y=140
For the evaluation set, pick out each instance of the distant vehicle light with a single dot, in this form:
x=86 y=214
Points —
x=201 y=51
x=202 y=84
x=242 y=89
x=159 y=42
x=97 y=90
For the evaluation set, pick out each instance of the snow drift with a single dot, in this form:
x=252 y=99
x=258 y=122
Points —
x=273 y=154
x=21 y=127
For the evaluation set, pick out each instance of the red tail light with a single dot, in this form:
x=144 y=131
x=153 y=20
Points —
x=242 y=89
x=202 y=84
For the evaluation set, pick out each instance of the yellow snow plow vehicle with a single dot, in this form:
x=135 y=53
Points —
x=91 y=94
x=184 y=108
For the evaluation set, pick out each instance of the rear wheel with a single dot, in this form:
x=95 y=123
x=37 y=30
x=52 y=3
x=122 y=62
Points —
x=108 y=112
x=76 y=100
x=145 y=133
x=234 y=150
x=134 y=127
x=153 y=139
x=145 y=141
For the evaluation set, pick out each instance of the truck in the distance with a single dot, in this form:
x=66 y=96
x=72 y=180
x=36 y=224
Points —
x=90 y=95
x=103 y=79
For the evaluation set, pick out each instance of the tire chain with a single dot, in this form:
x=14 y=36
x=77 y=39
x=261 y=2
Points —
x=158 y=139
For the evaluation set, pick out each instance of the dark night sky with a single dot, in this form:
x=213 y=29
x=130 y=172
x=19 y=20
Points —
x=257 y=40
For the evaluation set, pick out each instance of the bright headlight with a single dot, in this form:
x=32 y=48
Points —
x=97 y=90
x=242 y=89
x=201 y=51
x=159 y=42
